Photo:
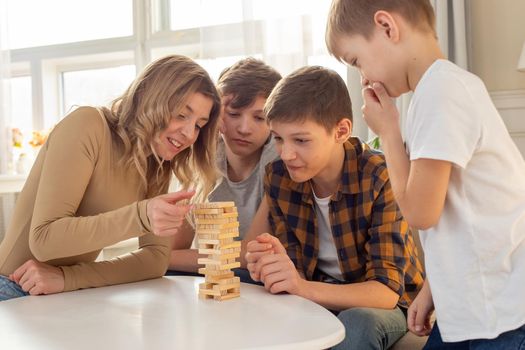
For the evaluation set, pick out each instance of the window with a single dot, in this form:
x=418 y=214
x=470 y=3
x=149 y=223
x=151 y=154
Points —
x=214 y=66
x=37 y=23
x=21 y=104
x=95 y=86
x=186 y=14
x=71 y=53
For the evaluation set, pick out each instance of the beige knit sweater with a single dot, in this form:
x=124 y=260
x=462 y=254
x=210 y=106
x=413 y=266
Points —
x=75 y=202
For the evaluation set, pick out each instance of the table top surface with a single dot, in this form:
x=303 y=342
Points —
x=166 y=313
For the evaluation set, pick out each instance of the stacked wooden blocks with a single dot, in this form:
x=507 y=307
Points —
x=216 y=228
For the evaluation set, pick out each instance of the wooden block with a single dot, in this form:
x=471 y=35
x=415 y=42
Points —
x=230 y=210
x=226 y=287
x=227 y=281
x=208 y=261
x=230 y=256
x=226 y=276
x=215 y=205
x=230 y=266
x=216 y=236
x=222 y=251
x=217 y=230
x=227 y=296
x=219 y=259
x=209 y=267
x=215 y=273
x=215 y=242
x=228 y=225
x=208 y=211
x=216 y=221
x=215 y=216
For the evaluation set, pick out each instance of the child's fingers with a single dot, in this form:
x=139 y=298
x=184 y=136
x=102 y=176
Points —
x=274 y=241
x=264 y=238
x=381 y=93
x=411 y=319
x=420 y=322
x=255 y=246
x=254 y=257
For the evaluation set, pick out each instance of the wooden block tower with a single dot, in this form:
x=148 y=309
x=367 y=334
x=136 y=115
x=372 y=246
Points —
x=216 y=228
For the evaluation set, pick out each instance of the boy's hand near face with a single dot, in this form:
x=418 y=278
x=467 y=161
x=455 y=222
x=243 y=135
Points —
x=379 y=110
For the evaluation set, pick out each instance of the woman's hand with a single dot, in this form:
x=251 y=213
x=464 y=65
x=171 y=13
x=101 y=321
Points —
x=38 y=278
x=166 y=215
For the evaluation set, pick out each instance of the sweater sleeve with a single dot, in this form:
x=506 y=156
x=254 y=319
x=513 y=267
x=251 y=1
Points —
x=72 y=151
x=149 y=261
x=56 y=230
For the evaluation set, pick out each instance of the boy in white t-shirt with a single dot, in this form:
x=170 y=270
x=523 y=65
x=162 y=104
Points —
x=462 y=182
x=243 y=150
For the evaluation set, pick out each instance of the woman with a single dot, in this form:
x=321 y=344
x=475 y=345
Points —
x=102 y=177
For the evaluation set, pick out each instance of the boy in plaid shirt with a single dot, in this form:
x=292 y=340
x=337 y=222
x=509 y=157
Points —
x=338 y=237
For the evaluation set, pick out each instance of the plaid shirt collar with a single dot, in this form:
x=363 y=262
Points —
x=348 y=185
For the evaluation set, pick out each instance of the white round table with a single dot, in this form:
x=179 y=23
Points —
x=166 y=313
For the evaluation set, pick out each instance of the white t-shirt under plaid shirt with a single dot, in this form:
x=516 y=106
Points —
x=475 y=255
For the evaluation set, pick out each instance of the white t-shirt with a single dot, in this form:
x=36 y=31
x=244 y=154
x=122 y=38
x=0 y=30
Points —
x=475 y=255
x=327 y=258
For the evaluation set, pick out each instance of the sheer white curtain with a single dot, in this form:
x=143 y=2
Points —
x=5 y=141
x=285 y=34
x=287 y=38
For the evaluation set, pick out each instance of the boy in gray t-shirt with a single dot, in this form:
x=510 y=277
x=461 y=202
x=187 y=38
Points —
x=244 y=149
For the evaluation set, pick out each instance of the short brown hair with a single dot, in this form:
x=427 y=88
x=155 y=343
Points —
x=311 y=92
x=348 y=17
x=246 y=80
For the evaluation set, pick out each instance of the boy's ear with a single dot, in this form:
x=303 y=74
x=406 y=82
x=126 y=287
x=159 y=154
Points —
x=387 y=24
x=343 y=130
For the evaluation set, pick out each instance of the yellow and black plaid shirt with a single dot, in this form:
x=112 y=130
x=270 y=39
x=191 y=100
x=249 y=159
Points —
x=372 y=238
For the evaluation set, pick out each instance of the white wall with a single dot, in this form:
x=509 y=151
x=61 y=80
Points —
x=497 y=34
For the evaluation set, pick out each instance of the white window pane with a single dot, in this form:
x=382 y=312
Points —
x=201 y=13
x=95 y=87
x=37 y=22
x=214 y=66
x=329 y=62
x=271 y=9
x=21 y=105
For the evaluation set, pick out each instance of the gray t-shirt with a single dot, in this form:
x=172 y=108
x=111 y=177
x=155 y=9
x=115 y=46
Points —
x=246 y=194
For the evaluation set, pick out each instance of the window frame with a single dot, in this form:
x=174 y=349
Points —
x=152 y=37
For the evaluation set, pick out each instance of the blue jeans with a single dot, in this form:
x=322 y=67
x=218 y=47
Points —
x=369 y=328
x=9 y=289
x=514 y=340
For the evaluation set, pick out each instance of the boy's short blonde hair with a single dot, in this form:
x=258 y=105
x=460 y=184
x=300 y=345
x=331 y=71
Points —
x=349 y=17
x=310 y=93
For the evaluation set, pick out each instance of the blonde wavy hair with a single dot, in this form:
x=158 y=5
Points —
x=144 y=110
